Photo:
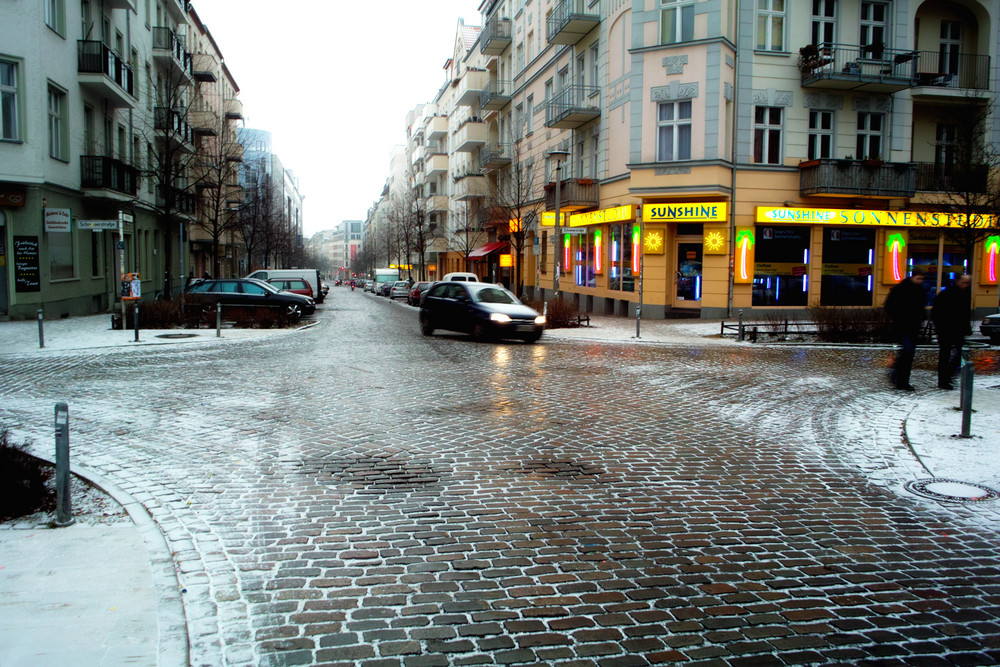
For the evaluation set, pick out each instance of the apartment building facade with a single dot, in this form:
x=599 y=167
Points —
x=103 y=116
x=715 y=156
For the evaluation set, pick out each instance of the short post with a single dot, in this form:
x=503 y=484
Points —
x=968 y=370
x=740 y=334
x=41 y=330
x=64 y=510
x=135 y=316
x=638 y=319
x=218 y=320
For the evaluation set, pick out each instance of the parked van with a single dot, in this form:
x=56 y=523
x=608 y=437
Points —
x=311 y=276
x=462 y=277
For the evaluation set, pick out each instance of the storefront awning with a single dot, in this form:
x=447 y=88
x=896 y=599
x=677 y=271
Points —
x=484 y=250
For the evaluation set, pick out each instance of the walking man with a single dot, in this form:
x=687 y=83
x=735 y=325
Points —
x=905 y=307
x=951 y=314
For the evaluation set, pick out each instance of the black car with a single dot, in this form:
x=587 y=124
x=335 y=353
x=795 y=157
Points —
x=248 y=292
x=482 y=309
x=990 y=328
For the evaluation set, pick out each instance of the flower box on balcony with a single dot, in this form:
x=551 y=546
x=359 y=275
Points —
x=585 y=181
x=808 y=163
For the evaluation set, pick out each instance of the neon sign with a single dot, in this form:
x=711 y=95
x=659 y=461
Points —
x=894 y=247
x=636 y=250
x=745 y=242
x=990 y=250
x=597 y=251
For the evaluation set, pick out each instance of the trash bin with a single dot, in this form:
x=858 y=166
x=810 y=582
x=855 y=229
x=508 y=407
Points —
x=116 y=321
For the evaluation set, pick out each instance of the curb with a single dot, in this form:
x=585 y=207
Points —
x=171 y=620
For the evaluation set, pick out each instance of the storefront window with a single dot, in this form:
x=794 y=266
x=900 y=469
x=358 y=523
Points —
x=926 y=249
x=848 y=258
x=585 y=266
x=781 y=277
x=620 y=275
x=61 y=264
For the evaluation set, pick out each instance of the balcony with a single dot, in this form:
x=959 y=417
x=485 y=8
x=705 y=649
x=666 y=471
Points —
x=574 y=194
x=468 y=186
x=204 y=67
x=846 y=67
x=204 y=121
x=934 y=177
x=168 y=50
x=570 y=21
x=180 y=201
x=573 y=106
x=495 y=156
x=233 y=109
x=496 y=95
x=104 y=72
x=435 y=165
x=120 y=4
x=118 y=180
x=437 y=204
x=418 y=155
x=495 y=37
x=943 y=75
x=470 y=135
x=858 y=178
x=472 y=83
x=172 y=128
x=437 y=128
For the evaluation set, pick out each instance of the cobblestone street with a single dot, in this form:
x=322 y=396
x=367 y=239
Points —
x=356 y=493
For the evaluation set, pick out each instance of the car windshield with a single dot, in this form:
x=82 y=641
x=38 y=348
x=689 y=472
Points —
x=264 y=287
x=495 y=295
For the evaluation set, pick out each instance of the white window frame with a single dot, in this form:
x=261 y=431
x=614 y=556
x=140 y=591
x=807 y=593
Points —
x=530 y=114
x=676 y=21
x=764 y=130
x=817 y=148
x=824 y=20
x=870 y=28
x=58 y=138
x=672 y=126
x=55 y=16
x=771 y=25
x=866 y=134
x=595 y=73
x=10 y=102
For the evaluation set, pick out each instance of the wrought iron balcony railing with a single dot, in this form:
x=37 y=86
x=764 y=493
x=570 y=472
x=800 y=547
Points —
x=100 y=172
x=570 y=21
x=573 y=106
x=495 y=36
x=937 y=177
x=861 y=178
x=95 y=57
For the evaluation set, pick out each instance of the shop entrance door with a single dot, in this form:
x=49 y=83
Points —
x=3 y=264
x=688 y=274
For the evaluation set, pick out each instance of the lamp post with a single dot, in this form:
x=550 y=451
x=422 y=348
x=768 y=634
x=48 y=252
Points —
x=558 y=156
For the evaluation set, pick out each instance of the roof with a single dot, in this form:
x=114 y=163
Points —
x=470 y=33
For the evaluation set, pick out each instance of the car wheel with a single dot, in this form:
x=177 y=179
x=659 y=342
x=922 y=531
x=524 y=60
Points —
x=533 y=339
x=425 y=325
x=480 y=332
x=293 y=312
x=995 y=339
x=208 y=315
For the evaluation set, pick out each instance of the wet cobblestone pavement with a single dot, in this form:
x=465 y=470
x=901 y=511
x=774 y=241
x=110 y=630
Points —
x=356 y=494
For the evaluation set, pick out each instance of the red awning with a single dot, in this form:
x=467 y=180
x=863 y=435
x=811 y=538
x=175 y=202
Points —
x=484 y=250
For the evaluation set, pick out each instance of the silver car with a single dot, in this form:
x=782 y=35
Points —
x=400 y=289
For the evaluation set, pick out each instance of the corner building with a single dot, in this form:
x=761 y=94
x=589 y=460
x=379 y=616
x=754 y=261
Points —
x=723 y=155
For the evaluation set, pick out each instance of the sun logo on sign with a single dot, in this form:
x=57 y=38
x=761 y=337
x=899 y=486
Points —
x=715 y=241
x=654 y=241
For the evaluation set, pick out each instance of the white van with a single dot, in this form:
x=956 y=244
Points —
x=311 y=276
x=461 y=277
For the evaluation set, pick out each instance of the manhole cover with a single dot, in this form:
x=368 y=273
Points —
x=953 y=490
x=176 y=335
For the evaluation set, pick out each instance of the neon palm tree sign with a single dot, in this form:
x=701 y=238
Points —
x=744 y=241
x=895 y=243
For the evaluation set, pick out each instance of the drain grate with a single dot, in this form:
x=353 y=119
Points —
x=553 y=468
x=953 y=490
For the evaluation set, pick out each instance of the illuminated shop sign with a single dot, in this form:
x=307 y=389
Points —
x=850 y=216
x=989 y=271
x=895 y=259
x=606 y=215
x=686 y=212
x=743 y=264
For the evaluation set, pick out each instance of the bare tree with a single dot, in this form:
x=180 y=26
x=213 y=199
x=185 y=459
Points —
x=464 y=233
x=512 y=206
x=261 y=219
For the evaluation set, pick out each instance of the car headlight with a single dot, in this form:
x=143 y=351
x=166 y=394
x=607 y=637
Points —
x=540 y=319
x=500 y=317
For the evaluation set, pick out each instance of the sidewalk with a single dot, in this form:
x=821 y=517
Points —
x=107 y=594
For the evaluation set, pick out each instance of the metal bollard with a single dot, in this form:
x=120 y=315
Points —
x=968 y=371
x=41 y=330
x=740 y=334
x=135 y=316
x=218 y=320
x=64 y=509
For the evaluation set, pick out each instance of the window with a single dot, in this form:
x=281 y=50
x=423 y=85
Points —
x=824 y=22
x=620 y=257
x=61 y=264
x=595 y=78
x=870 y=141
x=57 y=124
x=771 y=25
x=530 y=118
x=9 y=101
x=55 y=15
x=519 y=122
x=767 y=135
x=946 y=139
x=595 y=141
x=820 y=134
x=85 y=20
x=676 y=21
x=848 y=262
x=781 y=274
x=951 y=47
x=874 y=24
x=673 y=131
x=585 y=255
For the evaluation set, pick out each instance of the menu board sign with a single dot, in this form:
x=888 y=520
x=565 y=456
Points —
x=27 y=273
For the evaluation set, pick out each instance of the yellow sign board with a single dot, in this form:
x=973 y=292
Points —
x=506 y=261
x=607 y=215
x=715 y=211
x=850 y=216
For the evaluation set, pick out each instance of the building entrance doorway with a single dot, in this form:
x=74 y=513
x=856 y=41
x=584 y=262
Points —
x=688 y=279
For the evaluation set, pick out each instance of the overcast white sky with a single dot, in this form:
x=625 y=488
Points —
x=333 y=81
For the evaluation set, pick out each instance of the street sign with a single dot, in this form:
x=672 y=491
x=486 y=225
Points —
x=97 y=225
x=126 y=217
x=574 y=231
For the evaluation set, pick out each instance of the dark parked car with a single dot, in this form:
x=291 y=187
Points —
x=419 y=287
x=248 y=292
x=486 y=311
x=990 y=328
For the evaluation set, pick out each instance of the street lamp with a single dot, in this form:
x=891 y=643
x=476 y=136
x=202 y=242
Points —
x=558 y=156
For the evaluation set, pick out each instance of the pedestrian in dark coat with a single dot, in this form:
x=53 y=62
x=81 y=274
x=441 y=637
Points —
x=905 y=306
x=951 y=314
